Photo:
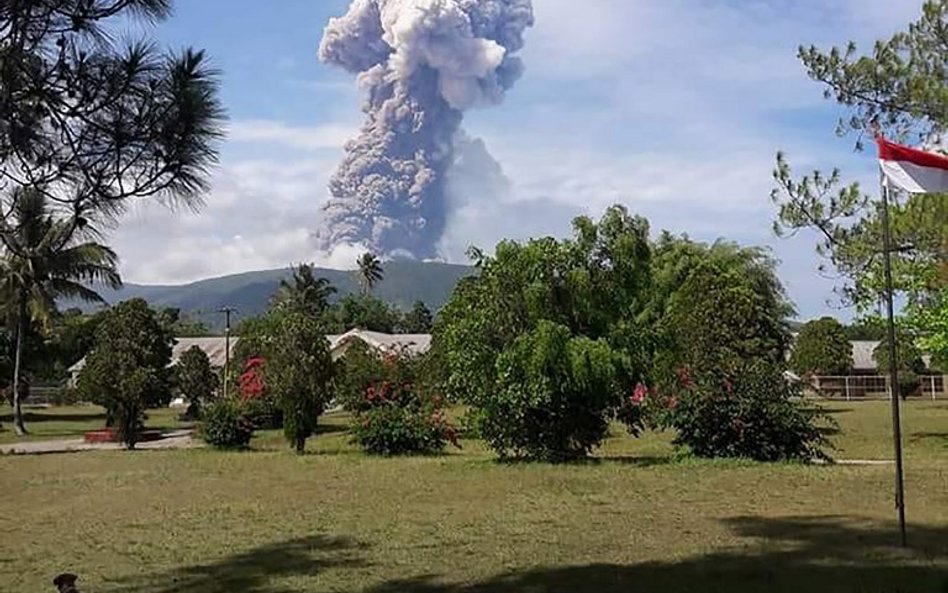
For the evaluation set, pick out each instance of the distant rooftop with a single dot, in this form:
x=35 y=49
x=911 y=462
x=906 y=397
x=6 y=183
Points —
x=215 y=347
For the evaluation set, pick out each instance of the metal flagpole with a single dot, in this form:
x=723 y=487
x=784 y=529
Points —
x=893 y=361
x=226 y=311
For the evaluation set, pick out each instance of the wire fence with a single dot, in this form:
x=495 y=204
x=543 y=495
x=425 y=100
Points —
x=866 y=387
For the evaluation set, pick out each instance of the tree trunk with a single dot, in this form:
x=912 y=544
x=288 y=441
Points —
x=300 y=445
x=18 y=424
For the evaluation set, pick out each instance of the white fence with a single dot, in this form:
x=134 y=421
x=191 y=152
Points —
x=859 y=387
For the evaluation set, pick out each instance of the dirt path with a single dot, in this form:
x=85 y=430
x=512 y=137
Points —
x=180 y=439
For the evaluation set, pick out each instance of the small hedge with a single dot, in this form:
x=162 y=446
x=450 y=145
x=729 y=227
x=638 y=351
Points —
x=398 y=421
x=757 y=414
x=226 y=425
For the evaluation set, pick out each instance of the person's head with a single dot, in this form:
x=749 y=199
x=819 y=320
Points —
x=66 y=583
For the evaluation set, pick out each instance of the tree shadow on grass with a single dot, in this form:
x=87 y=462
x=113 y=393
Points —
x=38 y=418
x=800 y=555
x=330 y=429
x=938 y=437
x=635 y=461
x=253 y=571
x=835 y=411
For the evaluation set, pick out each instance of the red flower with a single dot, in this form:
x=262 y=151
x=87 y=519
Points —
x=684 y=378
x=639 y=395
x=738 y=426
x=672 y=403
x=250 y=383
x=452 y=436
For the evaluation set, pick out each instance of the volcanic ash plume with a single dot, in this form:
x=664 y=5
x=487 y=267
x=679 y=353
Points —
x=421 y=64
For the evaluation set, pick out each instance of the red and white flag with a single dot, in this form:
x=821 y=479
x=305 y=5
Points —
x=915 y=171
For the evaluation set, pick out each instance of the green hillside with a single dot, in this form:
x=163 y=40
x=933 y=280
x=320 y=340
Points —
x=405 y=282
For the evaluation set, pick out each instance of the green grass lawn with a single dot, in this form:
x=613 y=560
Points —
x=71 y=422
x=267 y=521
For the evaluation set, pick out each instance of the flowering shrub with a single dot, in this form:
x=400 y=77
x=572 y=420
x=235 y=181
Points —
x=226 y=425
x=250 y=382
x=363 y=367
x=757 y=414
x=646 y=408
x=262 y=409
x=396 y=420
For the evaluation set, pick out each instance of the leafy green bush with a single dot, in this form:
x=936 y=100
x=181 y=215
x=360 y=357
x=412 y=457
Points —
x=226 y=425
x=402 y=430
x=264 y=413
x=822 y=348
x=554 y=397
x=259 y=402
x=756 y=415
x=358 y=369
x=396 y=420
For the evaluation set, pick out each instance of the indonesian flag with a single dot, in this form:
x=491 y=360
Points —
x=913 y=170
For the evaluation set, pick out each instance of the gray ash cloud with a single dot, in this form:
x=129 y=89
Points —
x=420 y=64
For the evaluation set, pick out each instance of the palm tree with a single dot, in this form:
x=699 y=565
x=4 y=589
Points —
x=370 y=271
x=42 y=260
x=304 y=292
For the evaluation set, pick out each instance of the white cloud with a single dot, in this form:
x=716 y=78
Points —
x=259 y=215
x=321 y=137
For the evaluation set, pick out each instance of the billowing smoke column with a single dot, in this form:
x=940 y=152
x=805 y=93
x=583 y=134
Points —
x=421 y=63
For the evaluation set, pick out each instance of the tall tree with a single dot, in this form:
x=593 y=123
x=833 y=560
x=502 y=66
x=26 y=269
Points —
x=195 y=379
x=363 y=312
x=714 y=305
x=44 y=259
x=898 y=88
x=822 y=348
x=720 y=319
x=900 y=85
x=419 y=320
x=92 y=122
x=300 y=372
x=543 y=341
x=931 y=325
x=370 y=271
x=304 y=292
x=127 y=370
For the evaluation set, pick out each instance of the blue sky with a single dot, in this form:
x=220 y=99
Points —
x=674 y=108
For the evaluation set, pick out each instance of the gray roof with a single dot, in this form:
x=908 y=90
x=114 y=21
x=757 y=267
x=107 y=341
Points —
x=413 y=343
x=215 y=347
x=862 y=355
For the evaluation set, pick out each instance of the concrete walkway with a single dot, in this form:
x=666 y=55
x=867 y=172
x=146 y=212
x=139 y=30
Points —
x=180 y=439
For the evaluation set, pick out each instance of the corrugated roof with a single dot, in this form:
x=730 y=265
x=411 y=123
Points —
x=414 y=343
x=862 y=355
x=215 y=347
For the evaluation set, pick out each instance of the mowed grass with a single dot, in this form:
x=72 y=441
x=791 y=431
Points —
x=72 y=422
x=635 y=519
